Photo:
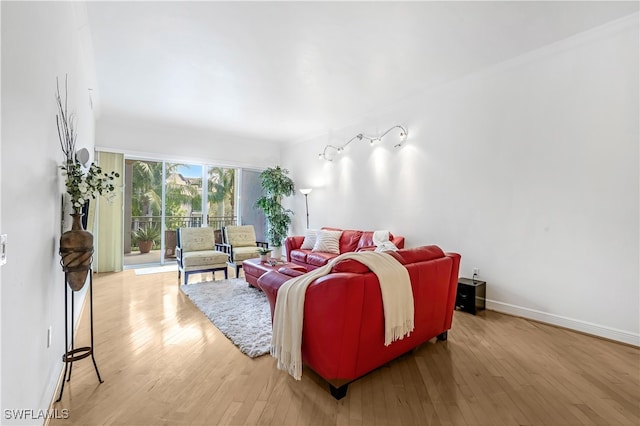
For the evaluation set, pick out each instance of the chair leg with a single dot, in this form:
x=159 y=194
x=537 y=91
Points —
x=237 y=271
x=186 y=277
x=226 y=273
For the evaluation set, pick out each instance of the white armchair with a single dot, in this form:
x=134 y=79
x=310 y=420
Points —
x=196 y=253
x=240 y=244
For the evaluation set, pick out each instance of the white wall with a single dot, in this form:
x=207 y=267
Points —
x=39 y=42
x=1 y=228
x=528 y=169
x=178 y=142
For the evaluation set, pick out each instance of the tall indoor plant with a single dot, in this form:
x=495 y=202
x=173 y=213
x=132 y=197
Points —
x=76 y=245
x=276 y=184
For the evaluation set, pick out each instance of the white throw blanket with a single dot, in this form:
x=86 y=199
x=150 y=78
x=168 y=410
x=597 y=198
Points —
x=397 y=301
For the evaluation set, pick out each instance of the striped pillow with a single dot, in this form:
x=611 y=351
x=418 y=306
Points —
x=310 y=237
x=328 y=242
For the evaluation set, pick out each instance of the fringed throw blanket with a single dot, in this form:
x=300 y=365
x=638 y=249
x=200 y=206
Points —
x=397 y=301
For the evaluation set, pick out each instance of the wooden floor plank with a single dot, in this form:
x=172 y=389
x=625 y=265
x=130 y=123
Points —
x=163 y=362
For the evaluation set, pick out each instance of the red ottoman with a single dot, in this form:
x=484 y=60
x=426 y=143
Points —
x=254 y=269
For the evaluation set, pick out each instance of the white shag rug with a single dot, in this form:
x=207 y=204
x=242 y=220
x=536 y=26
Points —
x=240 y=311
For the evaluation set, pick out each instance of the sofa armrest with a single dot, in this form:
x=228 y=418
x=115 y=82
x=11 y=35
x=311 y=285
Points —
x=292 y=243
x=398 y=241
x=269 y=283
x=290 y=272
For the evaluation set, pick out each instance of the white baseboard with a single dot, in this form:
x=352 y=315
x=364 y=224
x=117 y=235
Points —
x=570 y=323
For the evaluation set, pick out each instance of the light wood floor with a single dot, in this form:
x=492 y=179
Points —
x=163 y=362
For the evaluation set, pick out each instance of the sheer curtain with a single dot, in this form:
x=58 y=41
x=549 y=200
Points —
x=108 y=228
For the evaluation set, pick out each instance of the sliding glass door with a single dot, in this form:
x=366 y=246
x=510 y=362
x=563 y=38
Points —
x=182 y=203
x=163 y=196
x=221 y=196
x=142 y=212
x=160 y=198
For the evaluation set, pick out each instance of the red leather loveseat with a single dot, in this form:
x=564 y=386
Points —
x=350 y=240
x=343 y=326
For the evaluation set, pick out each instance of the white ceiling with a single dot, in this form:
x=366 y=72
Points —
x=284 y=71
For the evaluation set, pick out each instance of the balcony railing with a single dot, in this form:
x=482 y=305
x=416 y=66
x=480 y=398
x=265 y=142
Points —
x=171 y=224
x=174 y=222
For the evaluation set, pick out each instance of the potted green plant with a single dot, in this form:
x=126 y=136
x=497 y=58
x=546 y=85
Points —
x=264 y=252
x=145 y=237
x=276 y=184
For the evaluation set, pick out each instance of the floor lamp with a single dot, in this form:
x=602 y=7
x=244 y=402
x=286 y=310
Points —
x=306 y=193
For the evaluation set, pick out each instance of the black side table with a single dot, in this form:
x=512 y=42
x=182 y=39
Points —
x=471 y=295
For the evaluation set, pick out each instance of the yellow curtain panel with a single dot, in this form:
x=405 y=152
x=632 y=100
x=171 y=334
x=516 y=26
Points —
x=108 y=227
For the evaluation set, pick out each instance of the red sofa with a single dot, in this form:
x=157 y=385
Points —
x=343 y=328
x=350 y=240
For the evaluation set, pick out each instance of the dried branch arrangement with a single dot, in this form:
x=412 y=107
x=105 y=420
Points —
x=65 y=123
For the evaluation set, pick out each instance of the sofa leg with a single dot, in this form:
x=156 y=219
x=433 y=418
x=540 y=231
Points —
x=338 y=393
x=442 y=336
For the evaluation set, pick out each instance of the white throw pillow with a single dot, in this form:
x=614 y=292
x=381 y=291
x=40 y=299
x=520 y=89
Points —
x=386 y=246
x=328 y=242
x=310 y=237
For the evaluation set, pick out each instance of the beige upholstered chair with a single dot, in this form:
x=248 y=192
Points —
x=196 y=252
x=240 y=244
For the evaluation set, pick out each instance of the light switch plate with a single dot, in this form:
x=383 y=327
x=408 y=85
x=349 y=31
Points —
x=3 y=249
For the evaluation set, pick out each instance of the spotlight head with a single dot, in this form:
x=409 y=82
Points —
x=340 y=150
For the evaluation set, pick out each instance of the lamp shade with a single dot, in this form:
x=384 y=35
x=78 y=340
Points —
x=306 y=191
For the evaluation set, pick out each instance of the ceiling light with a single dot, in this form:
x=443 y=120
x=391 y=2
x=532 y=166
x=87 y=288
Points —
x=361 y=136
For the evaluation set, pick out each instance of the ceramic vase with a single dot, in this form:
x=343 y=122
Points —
x=76 y=252
x=276 y=253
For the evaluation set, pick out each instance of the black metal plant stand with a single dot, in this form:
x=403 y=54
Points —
x=76 y=354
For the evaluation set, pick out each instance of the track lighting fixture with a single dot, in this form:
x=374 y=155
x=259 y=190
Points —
x=361 y=136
